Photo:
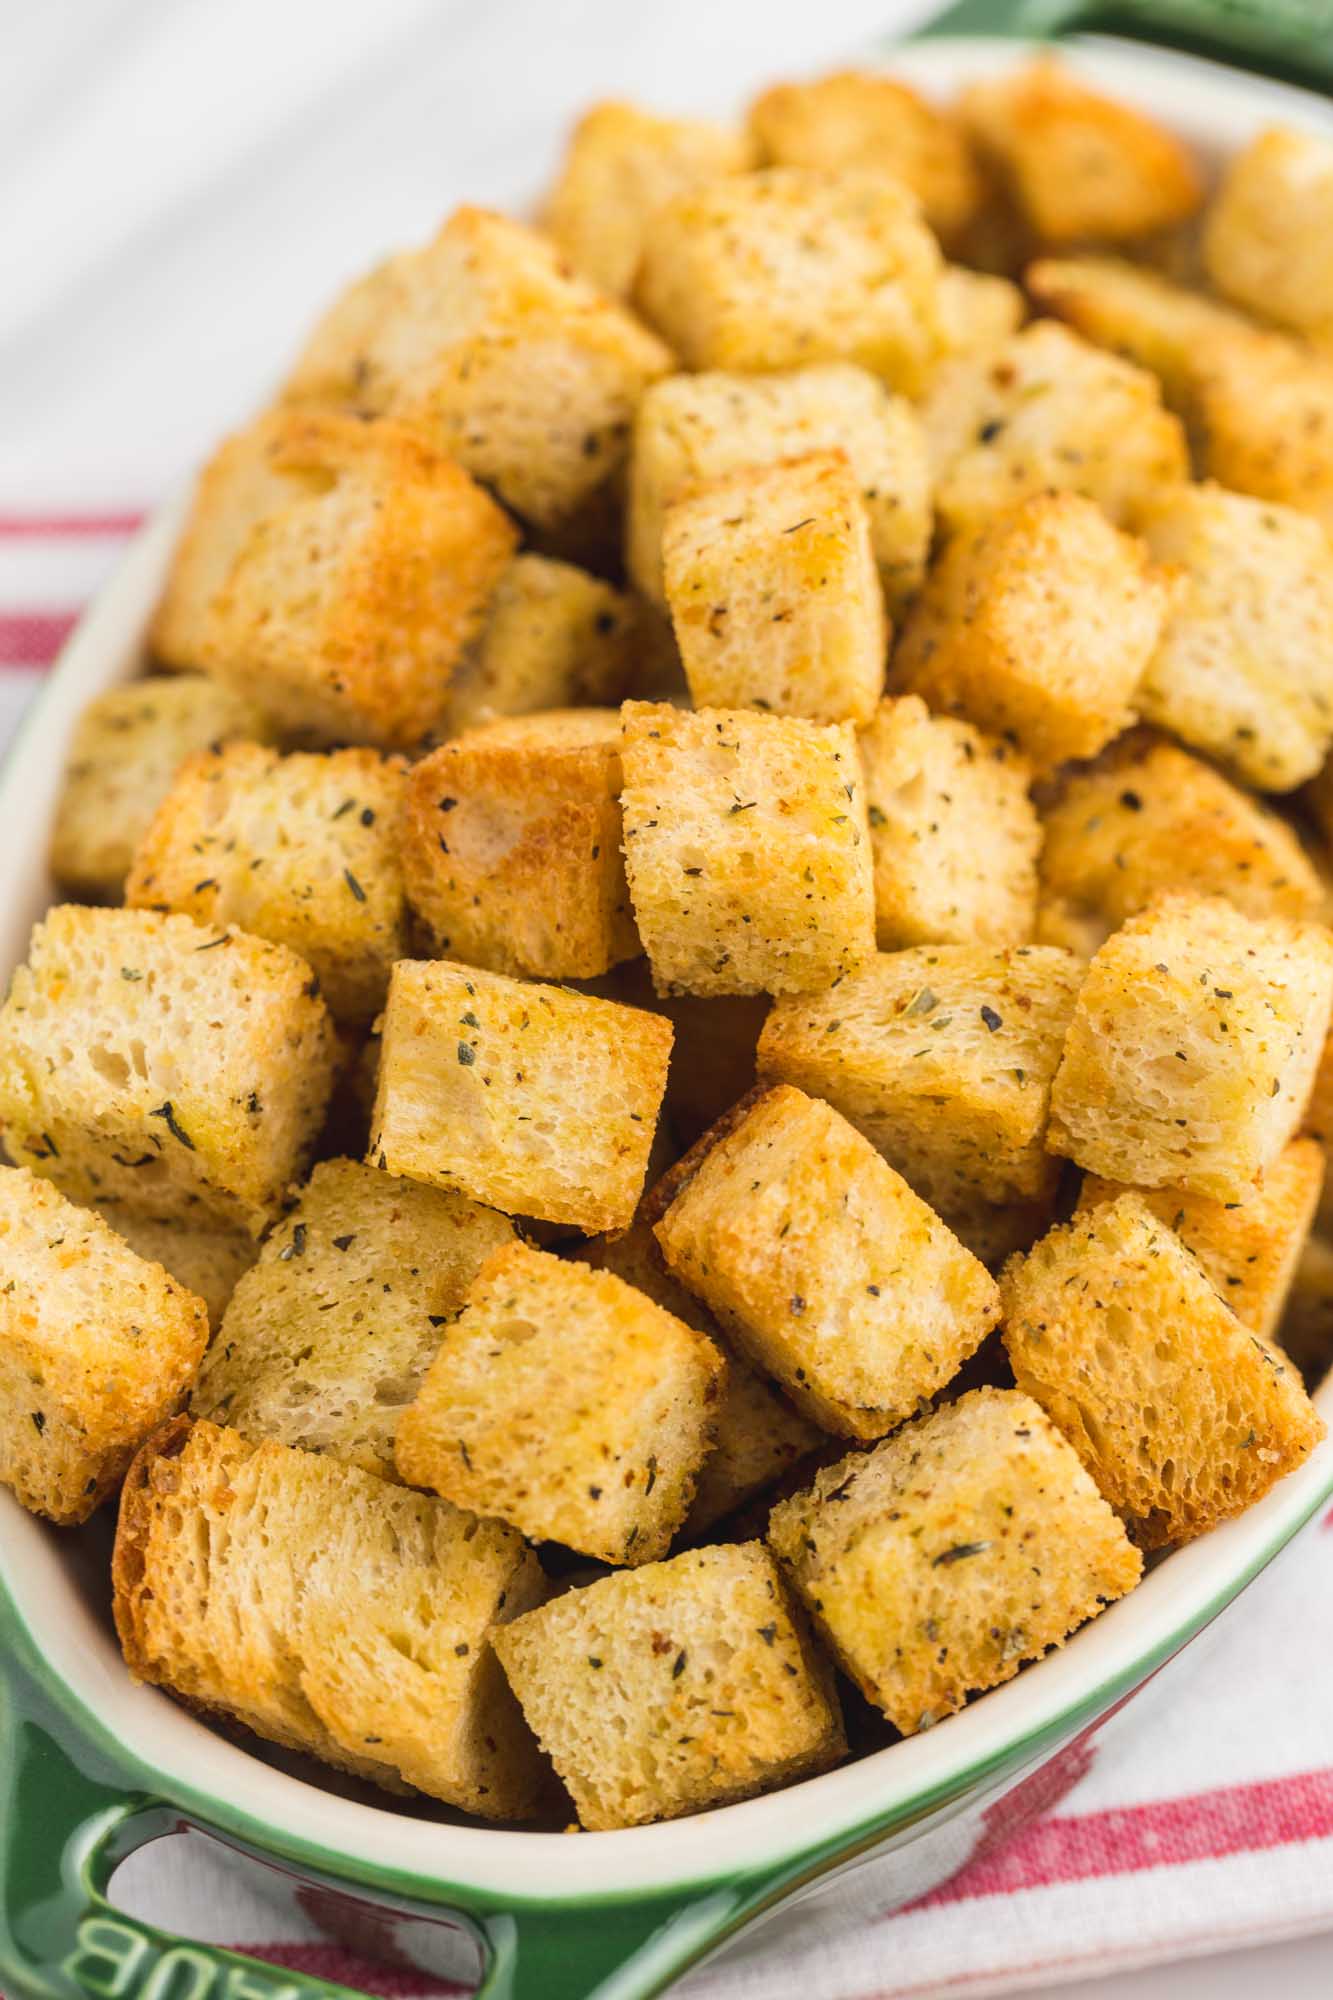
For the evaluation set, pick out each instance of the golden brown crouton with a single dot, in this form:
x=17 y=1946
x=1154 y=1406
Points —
x=939 y=1562
x=1306 y=1333
x=206 y=1259
x=1264 y=418
x=1193 y=1046
x=532 y=1099
x=712 y=1057
x=773 y=591
x=665 y=1690
x=555 y=638
x=1267 y=235
x=978 y=312
x=97 y=1347
x=148 y=1060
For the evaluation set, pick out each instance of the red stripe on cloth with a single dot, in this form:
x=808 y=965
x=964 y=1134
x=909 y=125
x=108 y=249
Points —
x=33 y=638
x=1328 y=1520
x=344 y=1968
x=66 y=527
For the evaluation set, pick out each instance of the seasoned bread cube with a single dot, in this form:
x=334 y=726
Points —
x=1182 y=1415
x=746 y=848
x=1267 y=234
x=327 y=1338
x=205 y=1259
x=1037 y=627
x=954 y=835
x=773 y=592
x=1249 y=1249
x=332 y=574
x=1306 y=1334
x=328 y=1611
x=1264 y=417
x=668 y=1689
x=1193 y=1047
x=532 y=1099
x=1080 y=164
x=821 y=1262
x=97 y=1347
x=856 y=120
x=566 y=1402
x=300 y=850
x=978 y=311
x=793 y=265
x=943 y=1058
x=510 y=362
x=1046 y=412
x=939 y=1562
x=712 y=1057
x=693 y=429
x=555 y=638
x=1244 y=667
x=127 y=747
x=1149 y=818
x=619 y=168
x=148 y=1060
x=510 y=846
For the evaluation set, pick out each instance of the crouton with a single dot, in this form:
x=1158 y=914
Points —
x=1264 y=419
x=939 y=1562
x=978 y=312
x=532 y=1099
x=1046 y=412
x=97 y=1347
x=1037 y=627
x=746 y=848
x=1180 y=1412
x=329 y=1612
x=328 y=1336
x=953 y=833
x=1306 y=1334
x=1193 y=1047
x=994 y=1230
x=668 y=1689
x=857 y=120
x=773 y=591
x=793 y=265
x=943 y=1057
x=712 y=1057
x=300 y=850
x=555 y=638
x=180 y=1070
x=510 y=846
x=1080 y=164
x=619 y=168
x=1267 y=232
x=1245 y=662
x=127 y=747
x=205 y=1259
x=332 y=574
x=693 y=429
x=824 y=1266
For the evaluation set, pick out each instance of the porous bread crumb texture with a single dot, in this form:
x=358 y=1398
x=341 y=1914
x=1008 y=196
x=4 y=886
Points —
x=829 y=1272
x=747 y=849
x=97 y=1347
x=936 y=1564
x=206 y=1259
x=568 y=1403
x=1267 y=231
x=1182 y=1415
x=153 y=1061
x=328 y=1336
x=669 y=1689
x=533 y=1099
x=1193 y=1047
x=555 y=637
x=328 y=1612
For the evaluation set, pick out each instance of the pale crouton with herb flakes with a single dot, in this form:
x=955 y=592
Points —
x=1268 y=229
x=555 y=637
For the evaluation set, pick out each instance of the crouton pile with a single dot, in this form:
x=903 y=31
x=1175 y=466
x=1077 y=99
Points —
x=683 y=1055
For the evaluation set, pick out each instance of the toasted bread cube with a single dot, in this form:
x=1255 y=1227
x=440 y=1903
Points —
x=693 y=429
x=978 y=312
x=774 y=596
x=1306 y=1333
x=1037 y=627
x=128 y=745
x=1046 y=413
x=994 y=1230
x=823 y=1265
x=1180 y=1412
x=328 y=1611
x=712 y=1057
x=556 y=638
x=855 y=120
x=510 y=846
x=1268 y=230
x=943 y=1057
x=1149 y=818
x=1080 y=164
x=954 y=835
x=532 y=1099
x=327 y=1338
x=1245 y=662
x=97 y=1347
x=148 y=1060
x=939 y=1562
x=1264 y=415
x=746 y=848
x=205 y=1259
x=792 y=265
x=1193 y=1047
x=676 y=1687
